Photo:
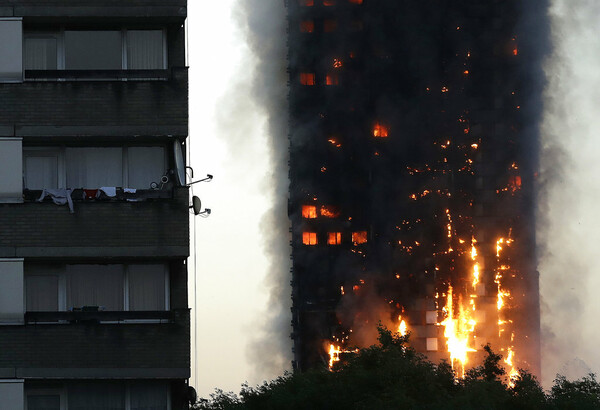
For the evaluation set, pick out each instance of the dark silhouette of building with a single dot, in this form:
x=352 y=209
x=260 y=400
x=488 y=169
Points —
x=413 y=151
x=94 y=231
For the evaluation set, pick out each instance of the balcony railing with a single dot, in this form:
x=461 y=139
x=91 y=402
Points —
x=87 y=317
x=97 y=75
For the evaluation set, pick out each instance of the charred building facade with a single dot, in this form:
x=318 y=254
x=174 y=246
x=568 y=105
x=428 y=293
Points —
x=413 y=155
x=94 y=231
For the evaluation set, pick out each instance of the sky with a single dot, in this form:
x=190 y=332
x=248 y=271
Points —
x=228 y=138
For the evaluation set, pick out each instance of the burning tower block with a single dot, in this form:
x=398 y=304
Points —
x=412 y=168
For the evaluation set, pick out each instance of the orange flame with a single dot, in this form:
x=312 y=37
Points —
x=309 y=211
x=457 y=332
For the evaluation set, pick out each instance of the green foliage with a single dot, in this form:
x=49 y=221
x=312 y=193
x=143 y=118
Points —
x=392 y=375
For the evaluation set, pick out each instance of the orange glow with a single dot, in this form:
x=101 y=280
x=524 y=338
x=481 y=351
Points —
x=337 y=63
x=515 y=51
x=307 y=26
x=332 y=79
x=380 y=131
x=355 y=1
x=309 y=211
x=457 y=332
x=359 y=237
x=329 y=211
x=402 y=328
x=334 y=238
x=334 y=141
x=307 y=3
x=307 y=79
x=329 y=26
x=309 y=238
x=329 y=2
x=334 y=355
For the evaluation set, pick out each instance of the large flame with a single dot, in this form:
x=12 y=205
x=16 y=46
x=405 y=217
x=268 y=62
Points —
x=457 y=332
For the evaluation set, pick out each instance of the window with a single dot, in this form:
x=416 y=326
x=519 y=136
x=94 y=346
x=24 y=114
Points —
x=380 y=131
x=146 y=287
x=11 y=169
x=432 y=344
x=96 y=395
x=307 y=79
x=92 y=167
x=329 y=2
x=307 y=3
x=95 y=50
x=307 y=26
x=41 y=52
x=42 y=169
x=431 y=317
x=309 y=211
x=11 y=50
x=42 y=293
x=329 y=26
x=95 y=285
x=12 y=307
x=145 y=49
x=359 y=237
x=332 y=79
x=112 y=287
x=309 y=238
x=356 y=1
x=334 y=238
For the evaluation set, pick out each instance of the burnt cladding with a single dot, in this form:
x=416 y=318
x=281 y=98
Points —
x=411 y=178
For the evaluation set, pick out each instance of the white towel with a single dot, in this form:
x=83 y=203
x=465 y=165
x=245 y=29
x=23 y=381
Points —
x=59 y=197
x=110 y=191
x=129 y=190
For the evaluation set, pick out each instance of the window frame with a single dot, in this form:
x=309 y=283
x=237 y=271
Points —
x=61 y=272
x=60 y=45
x=62 y=392
x=60 y=152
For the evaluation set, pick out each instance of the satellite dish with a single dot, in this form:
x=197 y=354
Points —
x=196 y=205
x=179 y=163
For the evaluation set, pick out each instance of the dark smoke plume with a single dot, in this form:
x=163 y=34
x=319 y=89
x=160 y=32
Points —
x=264 y=22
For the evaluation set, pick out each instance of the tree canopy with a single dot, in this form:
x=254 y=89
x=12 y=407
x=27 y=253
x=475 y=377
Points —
x=392 y=375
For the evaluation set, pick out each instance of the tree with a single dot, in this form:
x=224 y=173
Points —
x=392 y=375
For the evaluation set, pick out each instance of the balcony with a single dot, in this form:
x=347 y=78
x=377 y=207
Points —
x=155 y=227
x=172 y=9
x=97 y=345
x=61 y=103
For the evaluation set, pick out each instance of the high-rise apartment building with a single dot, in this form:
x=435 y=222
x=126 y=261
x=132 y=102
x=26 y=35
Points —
x=413 y=152
x=93 y=205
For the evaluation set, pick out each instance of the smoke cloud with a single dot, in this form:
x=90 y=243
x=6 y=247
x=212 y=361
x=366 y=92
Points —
x=264 y=22
x=569 y=222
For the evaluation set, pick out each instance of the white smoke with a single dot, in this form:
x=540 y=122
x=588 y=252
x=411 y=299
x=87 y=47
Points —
x=569 y=224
